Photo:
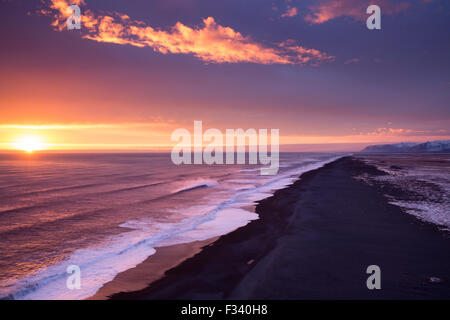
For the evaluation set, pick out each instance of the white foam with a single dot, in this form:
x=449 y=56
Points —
x=98 y=265
x=192 y=184
x=225 y=221
x=437 y=213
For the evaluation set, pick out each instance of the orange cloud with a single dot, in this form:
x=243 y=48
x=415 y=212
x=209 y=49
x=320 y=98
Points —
x=290 y=12
x=304 y=55
x=391 y=131
x=327 y=10
x=210 y=42
x=401 y=132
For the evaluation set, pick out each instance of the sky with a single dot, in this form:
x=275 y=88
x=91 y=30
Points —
x=137 y=70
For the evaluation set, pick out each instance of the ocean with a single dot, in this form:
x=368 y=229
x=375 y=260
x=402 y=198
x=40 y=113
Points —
x=106 y=213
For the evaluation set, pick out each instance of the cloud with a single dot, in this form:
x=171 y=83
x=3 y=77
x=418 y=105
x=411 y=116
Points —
x=304 y=55
x=407 y=132
x=77 y=126
x=290 y=12
x=327 y=10
x=209 y=42
x=390 y=131
x=353 y=60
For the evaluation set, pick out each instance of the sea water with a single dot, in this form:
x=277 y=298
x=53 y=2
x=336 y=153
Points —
x=106 y=213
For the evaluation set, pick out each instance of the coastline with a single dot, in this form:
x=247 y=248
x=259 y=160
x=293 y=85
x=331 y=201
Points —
x=152 y=269
x=169 y=256
x=305 y=243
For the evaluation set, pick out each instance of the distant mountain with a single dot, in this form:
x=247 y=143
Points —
x=427 y=147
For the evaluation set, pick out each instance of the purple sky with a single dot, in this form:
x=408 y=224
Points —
x=310 y=68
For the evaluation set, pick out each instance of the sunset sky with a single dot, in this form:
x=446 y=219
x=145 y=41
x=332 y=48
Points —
x=138 y=69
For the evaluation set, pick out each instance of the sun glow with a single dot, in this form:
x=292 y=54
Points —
x=29 y=143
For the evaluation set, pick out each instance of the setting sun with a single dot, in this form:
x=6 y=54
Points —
x=29 y=143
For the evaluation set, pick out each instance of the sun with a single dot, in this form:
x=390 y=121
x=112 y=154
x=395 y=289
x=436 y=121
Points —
x=29 y=143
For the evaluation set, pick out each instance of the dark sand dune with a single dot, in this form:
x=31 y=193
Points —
x=314 y=240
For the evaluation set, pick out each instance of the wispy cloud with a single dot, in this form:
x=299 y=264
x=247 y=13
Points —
x=326 y=10
x=353 y=60
x=209 y=42
x=406 y=132
x=303 y=55
x=77 y=126
x=290 y=12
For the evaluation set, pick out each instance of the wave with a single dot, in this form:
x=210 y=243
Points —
x=250 y=170
x=40 y=192
x=77 y=216
x=101 y=264
x=134 y=188
x=195 y=184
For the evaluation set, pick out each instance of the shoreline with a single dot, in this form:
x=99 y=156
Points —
x=297 y=249
x=150 y=270
x=165 y=258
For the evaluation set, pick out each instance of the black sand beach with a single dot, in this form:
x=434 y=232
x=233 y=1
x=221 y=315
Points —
x=315 y=240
